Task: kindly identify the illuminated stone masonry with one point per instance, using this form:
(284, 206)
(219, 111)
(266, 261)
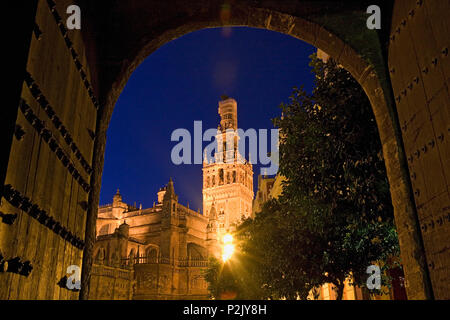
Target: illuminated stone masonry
(151, 253)
(228, 178)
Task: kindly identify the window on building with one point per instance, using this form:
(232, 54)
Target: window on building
(100, 256)
(220, 176)
(151, 254)
(234, 176)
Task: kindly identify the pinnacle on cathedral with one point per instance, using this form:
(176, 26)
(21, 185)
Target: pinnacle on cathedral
(117, 197)
(205, 158)
(170, 191)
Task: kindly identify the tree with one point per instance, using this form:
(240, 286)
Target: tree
(220, 280)
(335, 216)
(232, 280)
(278, 248)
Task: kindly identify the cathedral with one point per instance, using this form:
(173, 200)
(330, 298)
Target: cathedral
(228, 179)
(162, 251)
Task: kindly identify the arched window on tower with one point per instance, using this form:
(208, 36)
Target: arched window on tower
(228, 177)
(220, 176)
(234, 176)
(207, 182)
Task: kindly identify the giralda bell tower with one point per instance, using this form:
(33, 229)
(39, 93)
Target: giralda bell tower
(228, 179)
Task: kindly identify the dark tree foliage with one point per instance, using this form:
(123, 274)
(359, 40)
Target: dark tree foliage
(280, 249)
(232, 279)
(335, 216)
(219, 279)
(332, 158)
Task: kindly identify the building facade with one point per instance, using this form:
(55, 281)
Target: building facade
(164, 247)
(161, 252)
(264, 193)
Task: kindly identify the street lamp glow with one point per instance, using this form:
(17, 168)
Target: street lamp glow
(228, 250)
(228, 238)
(228, 247)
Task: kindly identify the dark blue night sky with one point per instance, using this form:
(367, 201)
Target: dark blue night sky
(182, 82)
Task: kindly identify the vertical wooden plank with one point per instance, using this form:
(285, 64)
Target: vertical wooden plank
(34, 231)
(19, 176)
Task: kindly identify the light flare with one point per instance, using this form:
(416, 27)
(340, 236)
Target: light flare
(228, 247)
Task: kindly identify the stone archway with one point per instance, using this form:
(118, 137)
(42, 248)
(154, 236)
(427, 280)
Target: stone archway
(75, 78)
(361, 70)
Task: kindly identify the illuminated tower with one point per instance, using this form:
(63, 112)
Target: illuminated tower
(228, 179)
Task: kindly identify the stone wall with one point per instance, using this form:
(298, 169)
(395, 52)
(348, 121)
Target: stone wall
(169, 281)
(109, 283)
